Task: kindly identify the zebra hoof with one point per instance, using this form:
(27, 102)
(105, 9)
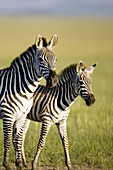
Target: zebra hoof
(33, 166)
(69, 166)
(6, 165)
(19, 167)
(24, 164)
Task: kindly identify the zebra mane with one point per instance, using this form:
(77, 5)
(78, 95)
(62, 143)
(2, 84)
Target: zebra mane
(67, 73)
(30, 49)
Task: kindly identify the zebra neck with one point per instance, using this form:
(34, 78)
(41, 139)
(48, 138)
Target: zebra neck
(22, 72)
(66, 95)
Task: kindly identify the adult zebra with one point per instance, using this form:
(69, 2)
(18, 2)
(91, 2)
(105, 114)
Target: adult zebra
(17, 86)
(51, 106)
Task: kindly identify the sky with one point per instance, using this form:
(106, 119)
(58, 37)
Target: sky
(58, 7)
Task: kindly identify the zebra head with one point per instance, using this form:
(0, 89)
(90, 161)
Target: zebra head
(46, 59)
(85, 82)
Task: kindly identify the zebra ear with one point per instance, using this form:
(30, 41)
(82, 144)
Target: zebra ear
(39, 42)
(91, 68)
(53, 41)
(80, 67)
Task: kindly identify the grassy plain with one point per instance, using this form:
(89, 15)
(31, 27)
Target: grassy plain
(90, 129)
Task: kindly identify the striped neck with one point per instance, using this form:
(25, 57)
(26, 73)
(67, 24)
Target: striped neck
(67, 87)
(25, 76)
(67, 74)
(25, 62)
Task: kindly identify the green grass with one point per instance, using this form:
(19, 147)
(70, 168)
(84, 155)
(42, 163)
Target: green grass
(90, 129)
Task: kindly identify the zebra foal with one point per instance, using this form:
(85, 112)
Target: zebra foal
(17, 86)
(51, 106)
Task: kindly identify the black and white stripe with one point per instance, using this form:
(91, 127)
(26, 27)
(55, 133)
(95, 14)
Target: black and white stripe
(17, 86)
(51, 106)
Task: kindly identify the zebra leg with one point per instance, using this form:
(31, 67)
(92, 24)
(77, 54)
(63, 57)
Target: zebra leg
(17, 141)
(7, 129)
(26, 126)
(44, 131)
(62, 128)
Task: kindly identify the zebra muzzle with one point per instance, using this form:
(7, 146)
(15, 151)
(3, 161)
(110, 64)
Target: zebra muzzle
(52, 79)
(90, 100)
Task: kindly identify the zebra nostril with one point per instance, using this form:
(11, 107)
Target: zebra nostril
(52, 79)
(90, 100)
(49, 83)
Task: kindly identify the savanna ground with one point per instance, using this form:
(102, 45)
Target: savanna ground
(90, 129)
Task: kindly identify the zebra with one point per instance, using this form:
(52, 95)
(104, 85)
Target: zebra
(17, 86)
(52, 106)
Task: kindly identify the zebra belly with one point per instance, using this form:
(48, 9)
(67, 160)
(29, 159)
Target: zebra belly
(24, 110)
